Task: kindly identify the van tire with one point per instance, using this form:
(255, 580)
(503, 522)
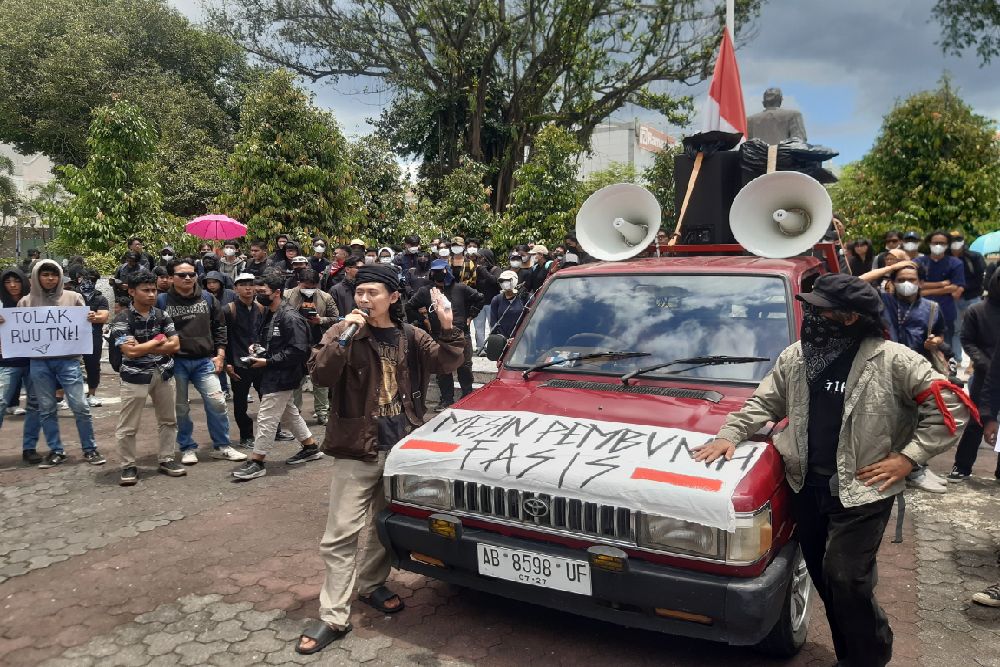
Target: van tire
(788, 635)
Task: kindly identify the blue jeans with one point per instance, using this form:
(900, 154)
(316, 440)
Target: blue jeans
(479, 323)
(200, 373)
(11, 379)
(46, 375)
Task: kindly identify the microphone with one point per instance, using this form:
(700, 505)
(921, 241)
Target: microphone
(351, 329)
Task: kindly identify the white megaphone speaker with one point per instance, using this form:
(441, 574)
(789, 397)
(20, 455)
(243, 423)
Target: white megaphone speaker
(618, 221)
(781, 214)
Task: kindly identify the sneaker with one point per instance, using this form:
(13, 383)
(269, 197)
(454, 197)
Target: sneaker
(94, 402)
(227, 453)
(925, 483)
(305, 455)
(19, 411)
(250, 398)
(94, 458)
(321, 420)
(10, 411)
(246, 443)
(934, 477)
(957, 475)
(31, 457)
(283, 436)
(189, 457)
(53, 459)
(130, 476)
(989, 598)
(228, 394)
(250, 470)
(171, 469)
(62, 405)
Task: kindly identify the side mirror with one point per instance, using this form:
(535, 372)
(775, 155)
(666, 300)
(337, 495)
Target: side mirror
(495, 344)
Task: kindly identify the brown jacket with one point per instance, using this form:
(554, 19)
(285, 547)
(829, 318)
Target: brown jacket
(355, 374)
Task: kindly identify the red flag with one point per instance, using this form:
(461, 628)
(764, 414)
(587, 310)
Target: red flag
(724, 108)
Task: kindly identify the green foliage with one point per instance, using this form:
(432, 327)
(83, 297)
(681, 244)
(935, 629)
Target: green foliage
(935, 164)
(967, 24)
(616, 172)
(660, 177)
(547, 193)
(379, 187)
(114, 195)
(290, 168)
(9, 198)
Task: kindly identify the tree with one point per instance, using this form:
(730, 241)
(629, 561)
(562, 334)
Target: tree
(967, 24)
(483, 77)
(378, 183)
(464, 207)
(544, 203)
(10, 200)
(290, 169)
(114, 195)
(934, 164)
(660, 177)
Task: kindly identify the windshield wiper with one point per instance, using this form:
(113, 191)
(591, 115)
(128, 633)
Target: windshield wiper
(714, 360)
(583, 357)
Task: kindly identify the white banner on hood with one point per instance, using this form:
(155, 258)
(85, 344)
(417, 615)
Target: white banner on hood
(645, 468)
(46, 331)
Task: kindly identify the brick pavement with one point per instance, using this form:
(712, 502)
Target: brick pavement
(199, 570)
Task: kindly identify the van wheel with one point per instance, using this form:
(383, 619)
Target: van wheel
(789, 633)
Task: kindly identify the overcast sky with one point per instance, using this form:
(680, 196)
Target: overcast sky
(843, 64)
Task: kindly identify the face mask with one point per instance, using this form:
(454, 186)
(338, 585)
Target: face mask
(910, 246)
(472, 251)
(229, 252)
(559, 258)
(820, 331)
(423, 262)
(457, 250)
(369, 259)
(385, 260)
(319, 248)
(86, 286)
(308, 293)
(166, 258)
(515, 264)
(264, 300)
(413, 249)
(957, 245)
(907, 288)
(938, 248)
(506, 286)
(443, 252)
(437, 276)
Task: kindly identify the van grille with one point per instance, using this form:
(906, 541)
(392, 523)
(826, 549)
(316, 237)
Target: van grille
(562, 514)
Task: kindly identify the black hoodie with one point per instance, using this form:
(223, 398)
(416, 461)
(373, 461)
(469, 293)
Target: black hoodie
(199, 321)
(10, 302)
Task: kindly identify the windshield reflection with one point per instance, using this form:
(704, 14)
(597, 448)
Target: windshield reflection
(668, 316)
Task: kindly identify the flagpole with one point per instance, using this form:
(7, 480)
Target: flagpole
(731, 18)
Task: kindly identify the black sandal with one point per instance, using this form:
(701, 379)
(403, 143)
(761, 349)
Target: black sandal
(321, 633)
(379, 597)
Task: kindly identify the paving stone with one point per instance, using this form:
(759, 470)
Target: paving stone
(363, 649)
(161, 643)
(198, 653)
(230, 631)
(261, 642)
(167, 613)
(258, 620)
(192, 603)
(223, 611)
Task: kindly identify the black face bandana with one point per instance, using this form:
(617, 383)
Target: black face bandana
(823, 340)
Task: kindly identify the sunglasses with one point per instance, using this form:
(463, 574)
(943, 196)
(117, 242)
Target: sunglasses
(185, 276)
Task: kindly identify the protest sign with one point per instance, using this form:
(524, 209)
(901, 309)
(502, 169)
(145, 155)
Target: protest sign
(628, 465)
(46, 331)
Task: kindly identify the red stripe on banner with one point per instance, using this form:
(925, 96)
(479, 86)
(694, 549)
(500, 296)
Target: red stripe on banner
(676, 479)
(431, 446)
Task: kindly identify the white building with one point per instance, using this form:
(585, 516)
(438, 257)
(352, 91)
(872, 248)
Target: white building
(25, 231)
(632, 143)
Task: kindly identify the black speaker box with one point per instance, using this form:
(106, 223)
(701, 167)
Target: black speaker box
(707, 217)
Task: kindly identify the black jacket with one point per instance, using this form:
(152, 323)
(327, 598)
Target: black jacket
(465, 304)
(7, 301)
(975, 274)
(343, 296)
(198, 320)
(287, 341)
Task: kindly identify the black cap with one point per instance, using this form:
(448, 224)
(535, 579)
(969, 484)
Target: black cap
(912, 235)
(840, 291)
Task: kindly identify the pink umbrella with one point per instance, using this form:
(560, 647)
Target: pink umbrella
(216, 227)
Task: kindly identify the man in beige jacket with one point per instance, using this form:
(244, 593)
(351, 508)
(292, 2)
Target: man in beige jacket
(862, 411)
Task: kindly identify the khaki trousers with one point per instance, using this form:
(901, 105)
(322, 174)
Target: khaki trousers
(133, 401)
(356, 498)
(275, 408)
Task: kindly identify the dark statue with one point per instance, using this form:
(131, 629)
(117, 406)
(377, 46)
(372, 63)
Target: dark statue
(775, 124)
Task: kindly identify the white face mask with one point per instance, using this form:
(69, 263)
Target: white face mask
(412, 249)
(506, 286)
(457, 250)
(957, 245)
(308, 293)
(385, 260)
(515, 264)
(166, 258)
(229, 252)
(472, 251)
(319, 248)
(938, 249)
(369, 259)
(443, 252)
(910, 246)
(907, 289)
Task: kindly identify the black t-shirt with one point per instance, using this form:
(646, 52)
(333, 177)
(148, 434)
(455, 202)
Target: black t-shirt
(826, 413)
(392, 421)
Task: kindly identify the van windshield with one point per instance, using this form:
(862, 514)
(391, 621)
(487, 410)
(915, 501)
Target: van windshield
(668, 316)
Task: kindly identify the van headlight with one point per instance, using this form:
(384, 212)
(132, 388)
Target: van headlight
(752, 538)
(661, 532)
(419, 490)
